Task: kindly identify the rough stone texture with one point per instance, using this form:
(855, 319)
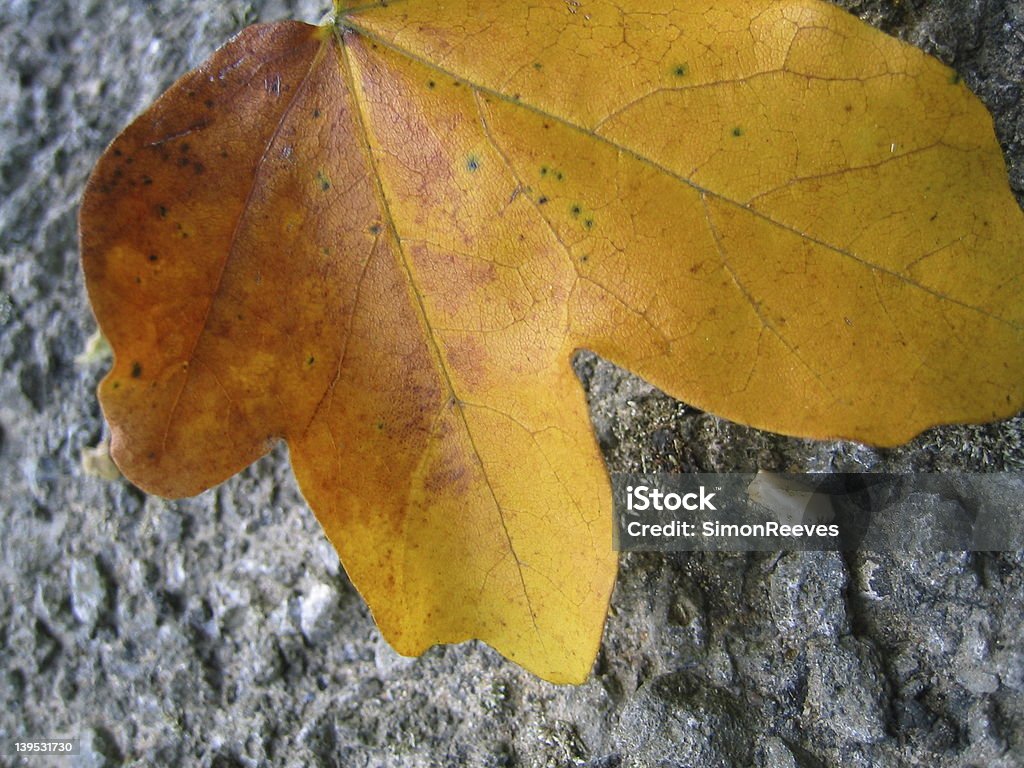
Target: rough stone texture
(220, 631)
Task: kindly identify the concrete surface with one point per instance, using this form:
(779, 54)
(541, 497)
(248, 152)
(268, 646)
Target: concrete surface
(220, 631)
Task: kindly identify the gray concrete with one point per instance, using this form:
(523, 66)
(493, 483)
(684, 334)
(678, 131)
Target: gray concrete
(220, 630)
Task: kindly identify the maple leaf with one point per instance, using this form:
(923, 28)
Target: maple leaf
(382, 239)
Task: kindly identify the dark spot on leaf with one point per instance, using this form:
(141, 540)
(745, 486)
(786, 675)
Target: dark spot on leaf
(116, 385)
(472, 164)
(589, 223)
(546, 126)
(153, 257)
(198, 167)
(146, 181)
(323, 181)
(162, 210)
(185, 146)
(431, 84)
(117, 153)
(538, 65)
(310, 360)
(559, 175)
(680, 70)
(136, 370)
(543, 170)
(456, 83)
(316, 113)
(542, 200)
(183, 161)
(223, 153)
(209, 103)
(737, 131)
(575, 210)
(375, 229)
(380, 425)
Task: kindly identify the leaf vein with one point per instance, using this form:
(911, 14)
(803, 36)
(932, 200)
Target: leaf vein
(683, 180)
(232, 244)
(430, 331)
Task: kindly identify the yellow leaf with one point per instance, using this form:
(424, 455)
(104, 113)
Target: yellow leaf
(383, 239)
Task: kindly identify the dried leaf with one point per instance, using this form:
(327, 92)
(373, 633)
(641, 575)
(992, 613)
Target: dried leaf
(383, 239)
(97, 350)
(96, 462)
